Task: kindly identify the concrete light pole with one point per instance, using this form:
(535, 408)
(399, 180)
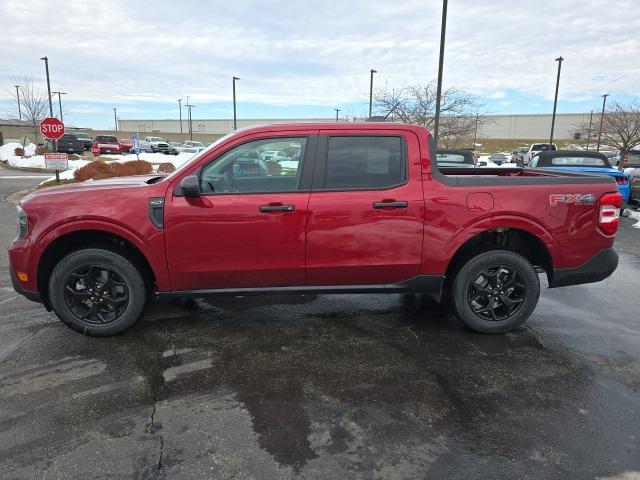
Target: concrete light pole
(115, 118)
(180, 110)
(337, 111)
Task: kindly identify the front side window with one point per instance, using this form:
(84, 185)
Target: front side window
(253, 168)
(365, 163)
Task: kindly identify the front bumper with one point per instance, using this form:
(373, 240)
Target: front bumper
(597, 268)
(33, 296)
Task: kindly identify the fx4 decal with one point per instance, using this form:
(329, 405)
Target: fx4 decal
(557, 198)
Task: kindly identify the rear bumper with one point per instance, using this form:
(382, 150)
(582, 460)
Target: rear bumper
(33, 296)
(597, 268)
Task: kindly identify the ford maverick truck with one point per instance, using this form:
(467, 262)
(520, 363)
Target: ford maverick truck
(352, 208)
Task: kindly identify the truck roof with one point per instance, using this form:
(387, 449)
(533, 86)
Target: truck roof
(275, 127)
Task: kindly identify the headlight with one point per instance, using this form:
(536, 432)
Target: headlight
(23, 224)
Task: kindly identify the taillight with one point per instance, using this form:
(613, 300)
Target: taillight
(609, 215)
(622, 180)
(625, 159)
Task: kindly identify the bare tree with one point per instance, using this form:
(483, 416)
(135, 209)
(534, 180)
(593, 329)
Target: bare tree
(34, 104)
(417, 105)
(621, 128)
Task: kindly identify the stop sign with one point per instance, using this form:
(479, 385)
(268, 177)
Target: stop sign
(52, 128)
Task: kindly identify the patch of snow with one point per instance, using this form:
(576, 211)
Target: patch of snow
(633, 215)
(155, 158)
(38, 162)
(8, 150)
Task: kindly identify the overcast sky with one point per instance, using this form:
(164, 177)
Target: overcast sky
(302, 58)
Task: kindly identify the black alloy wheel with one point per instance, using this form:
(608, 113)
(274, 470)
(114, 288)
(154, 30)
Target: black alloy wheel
(497, 293)
(494, 291)
(96, 294)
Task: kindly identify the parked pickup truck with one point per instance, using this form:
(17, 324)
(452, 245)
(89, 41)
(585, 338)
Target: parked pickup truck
(364, 209)
(158, 144)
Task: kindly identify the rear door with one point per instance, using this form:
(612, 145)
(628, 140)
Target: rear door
(247, 230)
(366, 210)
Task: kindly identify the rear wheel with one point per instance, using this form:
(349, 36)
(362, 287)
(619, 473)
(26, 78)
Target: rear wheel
(495, 291)
(97, 292)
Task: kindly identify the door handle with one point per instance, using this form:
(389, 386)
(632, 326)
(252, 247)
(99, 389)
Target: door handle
(391, 204)
(277, 208)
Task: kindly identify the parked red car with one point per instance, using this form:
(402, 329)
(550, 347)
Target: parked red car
(107, 144)
(364, 208)
(125, 145)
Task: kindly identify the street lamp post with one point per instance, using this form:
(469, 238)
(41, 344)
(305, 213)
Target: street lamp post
(589, 131)
(372, 71)
(189, 107)
(555, 101)
(115, 118)
(443, 29)
(180, 110)
(604, 102)
(46, 66)
(60, 102)
(18, 95)
(235, 125)
(337, 111)
(475, 132)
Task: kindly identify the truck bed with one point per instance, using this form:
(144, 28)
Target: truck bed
(515, 176)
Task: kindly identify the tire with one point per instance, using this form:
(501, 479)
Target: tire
(506, 308)
(97, 292)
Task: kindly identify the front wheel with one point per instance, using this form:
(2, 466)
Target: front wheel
(495, 291)
(97, 292)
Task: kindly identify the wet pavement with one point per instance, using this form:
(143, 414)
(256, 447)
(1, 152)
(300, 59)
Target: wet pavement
(363, 387)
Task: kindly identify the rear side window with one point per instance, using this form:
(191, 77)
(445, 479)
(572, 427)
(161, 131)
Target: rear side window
(579, 162)
(365, 162)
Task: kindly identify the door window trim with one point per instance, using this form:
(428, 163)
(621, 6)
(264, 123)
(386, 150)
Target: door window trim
(321, 164)
(306, 176)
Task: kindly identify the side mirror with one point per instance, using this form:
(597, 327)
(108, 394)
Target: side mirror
(520, 162)
(482, 164)
(190, 186)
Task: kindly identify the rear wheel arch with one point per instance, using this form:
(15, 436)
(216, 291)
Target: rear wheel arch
(85, 239)
(517, 240)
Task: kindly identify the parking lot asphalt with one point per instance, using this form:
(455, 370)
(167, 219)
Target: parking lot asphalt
(363, 387)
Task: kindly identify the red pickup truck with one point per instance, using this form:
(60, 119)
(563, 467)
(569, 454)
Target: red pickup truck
(342, 208)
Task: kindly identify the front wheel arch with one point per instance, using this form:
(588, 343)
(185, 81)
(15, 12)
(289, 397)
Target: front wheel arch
(82, 239)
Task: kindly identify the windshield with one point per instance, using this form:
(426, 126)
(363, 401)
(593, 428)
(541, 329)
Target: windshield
(579, 162)
(542, 147)
(106, 139)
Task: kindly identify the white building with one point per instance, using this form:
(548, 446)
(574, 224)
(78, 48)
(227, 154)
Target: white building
(530, 126)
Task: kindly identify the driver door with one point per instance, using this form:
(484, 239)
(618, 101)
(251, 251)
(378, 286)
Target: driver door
(247, 230)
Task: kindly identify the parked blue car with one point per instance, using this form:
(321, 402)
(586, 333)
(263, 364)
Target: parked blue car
(582, 161)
